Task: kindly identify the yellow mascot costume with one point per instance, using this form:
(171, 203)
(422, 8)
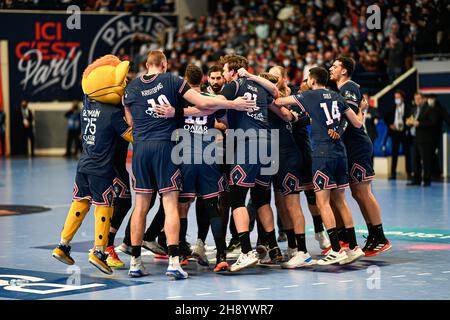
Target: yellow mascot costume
(103, 84)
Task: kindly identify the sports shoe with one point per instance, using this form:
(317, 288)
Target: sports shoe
(378, 247)
(113, 259)
(321, 237)
(352, 255)
(221, 264)
(199, 253)
(154, 247)
(174, 269)
(369, 243)
(233, 245)
(275, 254)
(289, 253)
(137, 268)
(343, 244)
(98, 259)
(324, 252)
(245, 260)
(185, 249)
(184, 260)
(125, 249)
(262, 251)
(62, 253)
(300, 259)
(332, 257)
(282, 237)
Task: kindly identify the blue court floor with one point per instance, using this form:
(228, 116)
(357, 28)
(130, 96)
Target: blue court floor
(416, 220)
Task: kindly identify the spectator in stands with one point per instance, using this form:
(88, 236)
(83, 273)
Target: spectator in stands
(398, 132)
(422, 124)
(2, 132)
(73, 129)
(395, 58)
(28, 126)
(441, 115)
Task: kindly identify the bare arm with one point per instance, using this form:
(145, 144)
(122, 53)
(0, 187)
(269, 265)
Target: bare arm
(128, 116)
(269, 86)
(204, 102)
(282, 112)
(285, 101)
(354, 119)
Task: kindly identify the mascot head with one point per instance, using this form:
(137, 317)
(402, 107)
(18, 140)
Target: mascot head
(104, 80)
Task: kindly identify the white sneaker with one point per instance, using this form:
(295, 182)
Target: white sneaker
(174, 269)
(199, 253)
(245, 260)
(332, 257)
(300, 259)
(124, 248)
(137, 268)
(353, 255)
(154, 247)
(321, 237)
(289, 253)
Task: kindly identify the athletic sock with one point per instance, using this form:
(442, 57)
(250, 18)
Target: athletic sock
(342, 235)
(271, 239)
(219, 236)
(244, 239)
(318, 224)
(301, 242)
(378, 233)
(173, 250)
(183, 229)
(203, 219)
(127, 238)
(136, 251)
(292, 242)
(334, 239)
(370, 230)
(351, 236)
(111, 237)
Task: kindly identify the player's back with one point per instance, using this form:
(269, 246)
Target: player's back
(142, 95)
(258, 119)
(325, 108)
(99, 137)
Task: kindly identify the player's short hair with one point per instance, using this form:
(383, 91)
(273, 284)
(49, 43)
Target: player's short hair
(193, 75)
(400, 92)
(348, 64)
(282, 70)
(155, 58)
(214, 68)
(268, 76)
(320, 75)
(235, 62)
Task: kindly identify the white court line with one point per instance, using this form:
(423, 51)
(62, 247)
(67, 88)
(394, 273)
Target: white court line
(446, 271)
(424, 274)
(233, 291)
(399, 276)
(203, 294)
(293, 286)
(318, 283)
(174, 297)
(344, 281)
(260, 289)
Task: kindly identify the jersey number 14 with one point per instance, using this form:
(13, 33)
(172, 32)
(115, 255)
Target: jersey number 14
(335, 114)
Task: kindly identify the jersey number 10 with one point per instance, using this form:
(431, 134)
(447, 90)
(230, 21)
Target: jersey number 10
(335, 114)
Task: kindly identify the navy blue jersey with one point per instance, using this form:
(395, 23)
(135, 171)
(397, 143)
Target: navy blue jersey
(143, 94)
(101, 125)
(287, 141)
(198, 126)
(325, 108)
(248, 120)
(352, 95)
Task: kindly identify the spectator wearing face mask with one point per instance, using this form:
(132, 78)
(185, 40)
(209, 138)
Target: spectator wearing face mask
(398, 133)
(442, 116)
(395, 57)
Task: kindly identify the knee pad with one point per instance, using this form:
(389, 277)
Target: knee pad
(260, 196)
(237, 196)
(211, 206)
(310, 197)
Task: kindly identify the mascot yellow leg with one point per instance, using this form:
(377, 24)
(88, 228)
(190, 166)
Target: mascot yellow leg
(75, 217)
(97, 257)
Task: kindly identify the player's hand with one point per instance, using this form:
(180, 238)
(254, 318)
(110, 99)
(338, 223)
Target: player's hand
(165, 110)
(244, 104)
(244, 73)
(364, 105)
(333, 134)
(295, 115)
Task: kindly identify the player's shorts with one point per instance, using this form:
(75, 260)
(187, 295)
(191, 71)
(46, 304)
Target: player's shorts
(96, 189)
(153, 169)
(329, 173)
(360, 163)
(249, 170)
(202, 180)
(288, 179)
(121, 183)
